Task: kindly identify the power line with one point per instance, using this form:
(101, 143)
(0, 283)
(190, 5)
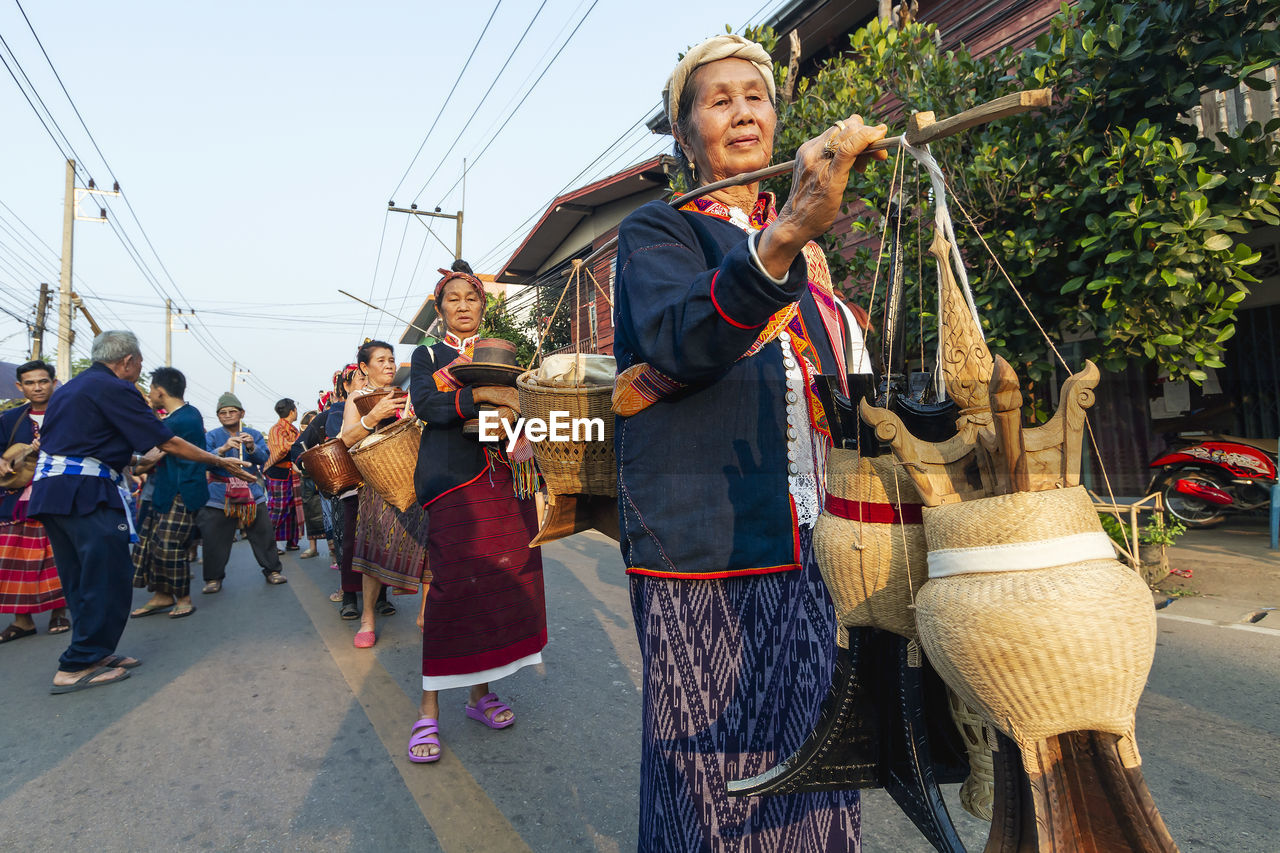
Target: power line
(476, 110)
(127, 242)
(448, 97)
(527, 93)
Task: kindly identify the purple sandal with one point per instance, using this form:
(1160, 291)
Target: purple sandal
(490, 701)
(425, 732)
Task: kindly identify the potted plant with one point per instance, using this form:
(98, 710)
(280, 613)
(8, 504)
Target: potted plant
(1153, 541)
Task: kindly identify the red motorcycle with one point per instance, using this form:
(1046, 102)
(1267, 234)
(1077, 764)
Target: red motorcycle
(1207, 477)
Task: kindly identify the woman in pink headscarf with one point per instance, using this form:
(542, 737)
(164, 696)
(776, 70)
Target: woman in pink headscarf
(484, 615)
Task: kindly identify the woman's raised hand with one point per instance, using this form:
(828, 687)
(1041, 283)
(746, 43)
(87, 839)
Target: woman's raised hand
(817, 189)
(385, 408)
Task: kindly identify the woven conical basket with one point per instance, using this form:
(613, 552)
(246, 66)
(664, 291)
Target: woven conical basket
(870, 543)
(1029, 621)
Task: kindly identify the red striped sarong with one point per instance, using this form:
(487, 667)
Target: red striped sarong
(28, 578)
(485, 605)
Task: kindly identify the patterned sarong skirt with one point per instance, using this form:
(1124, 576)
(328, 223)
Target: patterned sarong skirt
(734, 673)
(390, 545)
(160, 559)
(485, 612)
(284, 505)
(28, 578)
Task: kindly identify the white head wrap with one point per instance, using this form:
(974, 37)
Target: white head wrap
(726, 46)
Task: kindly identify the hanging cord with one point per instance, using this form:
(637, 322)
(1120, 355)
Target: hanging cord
(919, 269)
(884, 231)
(554, 311)
(906, 545)
(942, 221)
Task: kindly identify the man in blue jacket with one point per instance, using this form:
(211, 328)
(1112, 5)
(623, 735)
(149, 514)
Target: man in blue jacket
(232, 505)
(92, 428)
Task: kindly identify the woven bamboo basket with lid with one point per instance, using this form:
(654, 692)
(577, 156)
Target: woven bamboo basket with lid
(582, 467)
(1030, 623)
(870, 544)
(387, 459)
(330, 467)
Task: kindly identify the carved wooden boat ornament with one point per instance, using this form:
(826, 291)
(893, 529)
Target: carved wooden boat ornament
(1026, 614)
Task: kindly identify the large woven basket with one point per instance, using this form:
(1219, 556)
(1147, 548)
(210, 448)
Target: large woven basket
(330, 467)
(582, 467)
(1029, 621)
(387, 460)
(870, 543)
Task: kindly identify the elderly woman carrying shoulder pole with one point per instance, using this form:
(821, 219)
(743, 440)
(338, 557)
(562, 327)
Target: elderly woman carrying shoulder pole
(725, 312)
(94, 425)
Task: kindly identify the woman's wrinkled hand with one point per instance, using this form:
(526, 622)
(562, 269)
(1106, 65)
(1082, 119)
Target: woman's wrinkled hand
(817, 190)
(498, 395)
(385, 408)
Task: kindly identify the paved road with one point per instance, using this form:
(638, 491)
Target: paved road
(254, 725)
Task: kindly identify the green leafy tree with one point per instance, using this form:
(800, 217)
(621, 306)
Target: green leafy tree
(1116, 221)
(499, 323)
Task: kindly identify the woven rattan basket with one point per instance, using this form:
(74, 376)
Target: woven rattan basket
(366, 402)
(582, 467)
(387, 460)
(330, 467)
(1028, 621)
(870, 543)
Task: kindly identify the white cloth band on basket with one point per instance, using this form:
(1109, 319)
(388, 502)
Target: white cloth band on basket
(1021, 556)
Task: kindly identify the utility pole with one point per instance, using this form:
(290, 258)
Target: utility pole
(168, 336)
(37, 332)
(70, 213)
(63, 367)
(457, 217)
(234, 374)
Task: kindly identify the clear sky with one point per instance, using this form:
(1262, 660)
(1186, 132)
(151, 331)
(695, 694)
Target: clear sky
(259, 143)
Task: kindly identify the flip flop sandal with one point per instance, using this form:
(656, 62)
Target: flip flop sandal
(179, 613)
(276, 578)
(13, 632)
(150, 611)
(425, 732)
(120, 661)
(480, 711)
(384, 608)
(86, 681)
(349, 611)
(211, 587)
(59, 624)
(365, 639)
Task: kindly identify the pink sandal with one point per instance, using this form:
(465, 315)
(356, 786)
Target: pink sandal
(365, 639)
(480, 711)
(425, 732)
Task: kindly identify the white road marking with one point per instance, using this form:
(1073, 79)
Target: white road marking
(1238, 626)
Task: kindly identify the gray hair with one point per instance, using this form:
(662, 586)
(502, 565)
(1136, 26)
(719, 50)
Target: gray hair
(112, 346)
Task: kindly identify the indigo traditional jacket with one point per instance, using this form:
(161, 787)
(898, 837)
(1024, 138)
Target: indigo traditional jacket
(703, 471)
